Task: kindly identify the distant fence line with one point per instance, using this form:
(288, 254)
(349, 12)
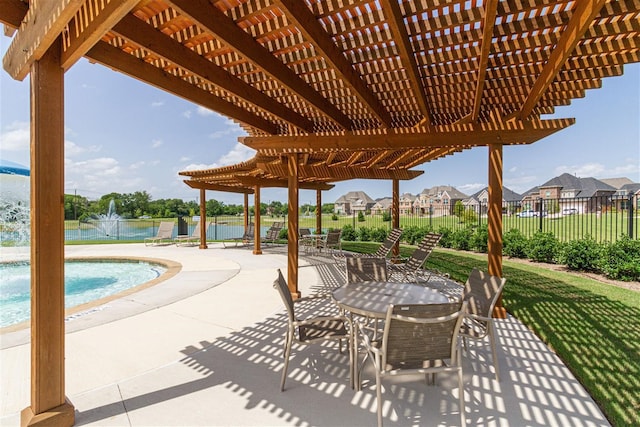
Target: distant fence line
(604, 219)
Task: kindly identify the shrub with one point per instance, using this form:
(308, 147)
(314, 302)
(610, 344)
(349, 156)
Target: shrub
(386, 216)
(584, 254)
(334, 217)
(515, 244)
(542, 247)
(360, 217)
(413, 234)
(461, 239)
(283, 234)
(363, 234)
(621, 260)
(378, 234)
(446, 239)
(348, 233)
(479, 239)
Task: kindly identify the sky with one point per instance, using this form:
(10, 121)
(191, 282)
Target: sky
(122, 135)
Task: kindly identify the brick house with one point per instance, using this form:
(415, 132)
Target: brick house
(353, 202)
(480, 200)
(438, 200)
(382, 206)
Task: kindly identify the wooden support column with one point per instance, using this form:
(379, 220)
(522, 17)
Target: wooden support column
(494, 220)
(292, 226)
(318, 211)
(49, 405)
(203, 219)
(256, 220)
(395, 214)
(245, 212)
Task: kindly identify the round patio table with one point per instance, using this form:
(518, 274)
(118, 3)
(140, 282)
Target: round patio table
(371, 299)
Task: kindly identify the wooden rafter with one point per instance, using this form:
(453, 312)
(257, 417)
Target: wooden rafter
(213, 20)
(202, 185)
(13, 12)
(338, 173)
(283, 183)
(583, 15)
(164, 46)
(488, 23)
(115, 58)
(89, 25)
(463, 135)
(42, 25)
(307, 23)
(396, 23)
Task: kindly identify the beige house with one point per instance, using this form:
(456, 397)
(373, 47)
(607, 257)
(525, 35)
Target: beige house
(353, 202)
(478, 202)
(406, 203)
(382, 206)
(438, 200)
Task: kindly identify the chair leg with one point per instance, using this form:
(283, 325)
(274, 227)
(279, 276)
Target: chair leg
(287, 353)
(492, 340)
(379, 396)
(463, 419)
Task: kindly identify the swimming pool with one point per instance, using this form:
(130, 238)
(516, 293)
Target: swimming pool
(85, 281)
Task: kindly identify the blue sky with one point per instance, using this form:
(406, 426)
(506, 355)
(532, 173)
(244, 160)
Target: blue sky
(125, 136)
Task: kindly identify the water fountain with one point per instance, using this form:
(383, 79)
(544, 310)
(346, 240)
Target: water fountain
(14, 204)
(107, 224)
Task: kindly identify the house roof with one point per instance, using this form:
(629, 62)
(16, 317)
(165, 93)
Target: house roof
(507, 195)
(584, 187)
(453, 192)
(384, 203)
(617, 182)
(353, 196)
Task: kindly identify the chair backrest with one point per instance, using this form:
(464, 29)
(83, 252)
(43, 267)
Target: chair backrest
(415, 333)
(481, 292)
(389, 243)
(366, 269)
(281, 286)
(422, 252)
(165, 229)
(273, 233)
(250, 230)
(302, 232)
(333, 238)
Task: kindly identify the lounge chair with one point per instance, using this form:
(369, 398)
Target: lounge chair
(411, 270)
(164, 235)
(481, 293)
(418, 339)
(192, 239)
(311, 330)
(272, 235)
(246, 238)
(383, 251)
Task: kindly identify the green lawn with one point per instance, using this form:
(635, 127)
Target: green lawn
(593, 327)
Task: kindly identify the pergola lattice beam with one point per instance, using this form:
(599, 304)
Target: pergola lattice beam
(339, 173)
(114, 58)
(313, 32)
(582, 17)
(488, 24)
(209, 17)
(12, 12)
(156, 42)
(41, 26)
(202, 185)
(282, 183)
(462, 135)
(399, 30)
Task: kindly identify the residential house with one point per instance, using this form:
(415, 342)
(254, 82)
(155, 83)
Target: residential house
(480, 200)
(382, 206)
(567, 191)
(353, 202)
(438, 201)
(406, 203)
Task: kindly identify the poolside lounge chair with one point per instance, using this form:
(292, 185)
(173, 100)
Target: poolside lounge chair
(164, 235)
(192, 239)
(311, 330)
(272, 235)
(418, 339)
(246, 238)
(383, 251)
(481, 293)
(411, 270)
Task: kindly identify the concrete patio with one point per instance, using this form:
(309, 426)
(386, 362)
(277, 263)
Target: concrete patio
(205, 348)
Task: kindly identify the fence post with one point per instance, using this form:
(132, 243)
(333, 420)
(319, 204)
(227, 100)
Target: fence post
(540, 214)
(630, 215)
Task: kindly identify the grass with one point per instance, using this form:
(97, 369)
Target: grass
(593, 327)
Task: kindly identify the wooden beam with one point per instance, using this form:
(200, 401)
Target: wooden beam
(292, 225)
(283, 183)
(89, 25)
(494, 220)
(307, 23)
(114, 58)
(488, 23)
(461, 136)
(202, 185)
(582, 17)
(158, 43)
(12, 12)
(338, 173)
(41, 26)
(211, 19)
(401, 38)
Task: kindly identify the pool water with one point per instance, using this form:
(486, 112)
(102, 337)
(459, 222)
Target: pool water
(85, 281)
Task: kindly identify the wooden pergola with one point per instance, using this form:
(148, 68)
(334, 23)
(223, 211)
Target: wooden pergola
(326, 90)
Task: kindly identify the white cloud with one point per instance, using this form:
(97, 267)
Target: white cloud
(204, 111)
(157, 103)
(72, 149)
(156, 143)
(513, 169)
(598, 170)
(239, 153)
(187, 114)
(199, 166)
(471, 188)
(16, 137)
(100, 175)
(185, 159)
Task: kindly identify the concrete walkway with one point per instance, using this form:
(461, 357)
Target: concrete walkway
(205, 348)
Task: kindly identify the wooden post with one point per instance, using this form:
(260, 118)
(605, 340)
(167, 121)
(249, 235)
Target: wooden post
(48, 402)
(395, 214)
(494, 220)
(245, 212)
(318, 211)
(203, 219)
(292, 227)
(256, 220)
